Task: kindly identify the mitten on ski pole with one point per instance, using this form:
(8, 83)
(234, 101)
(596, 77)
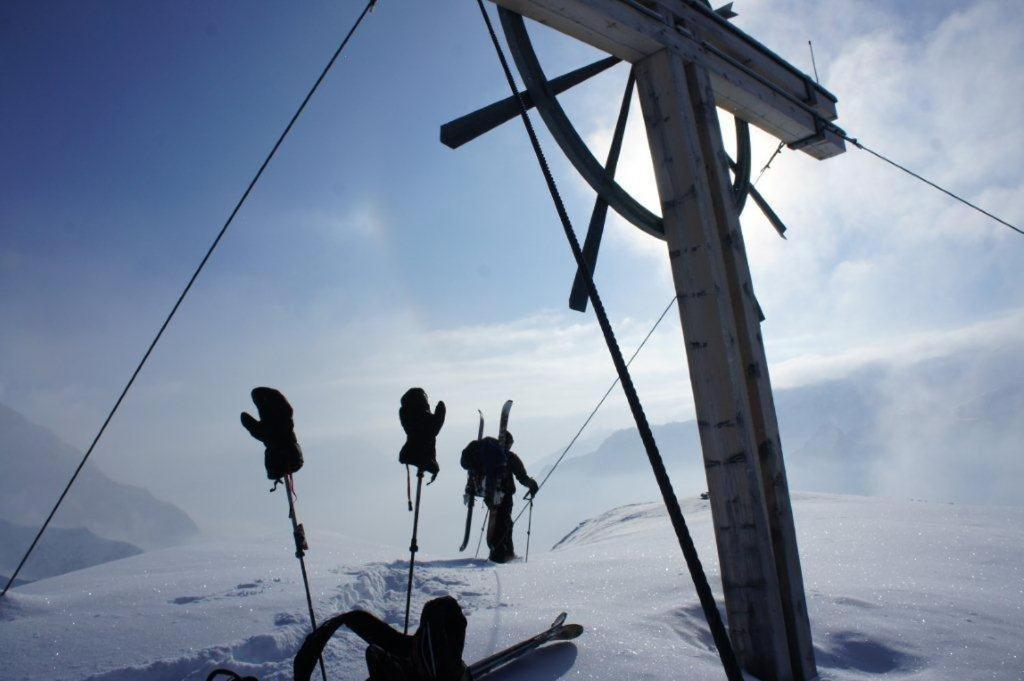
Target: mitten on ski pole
(276, 430)
(421, 427)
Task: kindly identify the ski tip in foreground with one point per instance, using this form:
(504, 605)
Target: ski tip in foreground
(569, 632)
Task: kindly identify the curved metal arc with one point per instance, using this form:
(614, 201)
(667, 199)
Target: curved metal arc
(565, 134)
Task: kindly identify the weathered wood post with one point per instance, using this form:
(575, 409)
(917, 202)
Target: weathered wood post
(735, 413)
(688, 59)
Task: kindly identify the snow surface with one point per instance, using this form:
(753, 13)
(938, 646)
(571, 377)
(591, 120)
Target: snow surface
(907, 589)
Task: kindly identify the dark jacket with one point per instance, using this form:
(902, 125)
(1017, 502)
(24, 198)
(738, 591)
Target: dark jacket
(421, 429)
(517, 469)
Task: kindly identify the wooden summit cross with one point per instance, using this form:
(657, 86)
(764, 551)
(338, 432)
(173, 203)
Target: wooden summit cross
(687, 58)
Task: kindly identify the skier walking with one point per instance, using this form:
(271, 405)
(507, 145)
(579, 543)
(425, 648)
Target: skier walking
(494, 464)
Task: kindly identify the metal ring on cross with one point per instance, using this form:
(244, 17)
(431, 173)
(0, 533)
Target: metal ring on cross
(597, 176)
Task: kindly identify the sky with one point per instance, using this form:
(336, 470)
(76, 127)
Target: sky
(370, 258)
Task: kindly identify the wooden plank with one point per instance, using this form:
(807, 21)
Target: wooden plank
(758, 383)
(749, 578)
(705, 25)
(630, 33)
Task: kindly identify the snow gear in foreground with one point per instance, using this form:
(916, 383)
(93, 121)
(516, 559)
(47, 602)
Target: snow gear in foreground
(421, 427)
(276, 430)
(227, 673)
(558, 631)
(433, 653)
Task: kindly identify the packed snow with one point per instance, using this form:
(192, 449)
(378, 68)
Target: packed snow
(911, 589)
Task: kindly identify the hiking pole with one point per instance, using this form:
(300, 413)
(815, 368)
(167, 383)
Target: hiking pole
(483, 526)
(529, 526)
(282, 456)
(413, 548)
(299, 532)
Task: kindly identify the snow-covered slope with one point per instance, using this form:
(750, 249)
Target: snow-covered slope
(903, 588)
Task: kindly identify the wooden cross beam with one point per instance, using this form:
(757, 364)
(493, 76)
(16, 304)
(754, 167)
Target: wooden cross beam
(687, 60)
(748, 80)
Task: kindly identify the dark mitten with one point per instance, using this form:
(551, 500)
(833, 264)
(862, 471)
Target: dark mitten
(276, 430)
(531, 485)
(421, 427)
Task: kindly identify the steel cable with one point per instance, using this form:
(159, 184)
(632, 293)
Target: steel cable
(184, 293)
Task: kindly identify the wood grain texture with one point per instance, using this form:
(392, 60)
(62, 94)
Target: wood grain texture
(717, 371)
(758, 383)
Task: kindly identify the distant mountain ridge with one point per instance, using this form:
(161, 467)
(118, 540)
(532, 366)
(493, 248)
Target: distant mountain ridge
(36, 465)
(60, 550)
(876, 432)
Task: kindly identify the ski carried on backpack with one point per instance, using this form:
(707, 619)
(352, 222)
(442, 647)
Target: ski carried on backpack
(470, 495)
(506, 409)
(486, 461)
(558, 631)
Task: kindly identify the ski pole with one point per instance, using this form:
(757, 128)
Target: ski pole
(483, 526)
(299, 533)
(529, 526)
(413, 548)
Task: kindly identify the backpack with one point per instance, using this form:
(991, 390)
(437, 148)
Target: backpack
(433, 653)
(487, 462)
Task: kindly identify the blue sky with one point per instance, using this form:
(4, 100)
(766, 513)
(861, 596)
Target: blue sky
(371, 258)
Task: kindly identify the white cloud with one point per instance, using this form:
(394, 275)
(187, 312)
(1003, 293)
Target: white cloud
(871, 252)
(363, 220)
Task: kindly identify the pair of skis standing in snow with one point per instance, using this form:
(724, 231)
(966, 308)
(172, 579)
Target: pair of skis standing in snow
(434, 651)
